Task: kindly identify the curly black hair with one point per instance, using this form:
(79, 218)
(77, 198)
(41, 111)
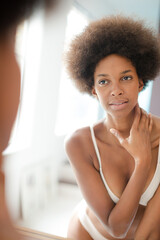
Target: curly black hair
(120, 35)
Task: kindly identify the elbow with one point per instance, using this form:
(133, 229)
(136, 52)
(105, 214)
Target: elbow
(116, 231)
(119, 230)
(118, 234)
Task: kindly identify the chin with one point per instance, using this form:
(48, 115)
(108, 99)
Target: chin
(120, 113)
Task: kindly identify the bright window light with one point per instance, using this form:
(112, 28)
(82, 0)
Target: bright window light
(144, 98)
(28, 52)
(75, 110)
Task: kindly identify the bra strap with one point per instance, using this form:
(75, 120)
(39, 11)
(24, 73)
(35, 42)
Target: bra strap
(95, 146)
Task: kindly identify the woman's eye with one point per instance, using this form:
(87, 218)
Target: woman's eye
(103, 82)
(126, 78)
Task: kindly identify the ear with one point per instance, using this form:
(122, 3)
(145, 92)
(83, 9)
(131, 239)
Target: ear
(94, 92)
(141, 85)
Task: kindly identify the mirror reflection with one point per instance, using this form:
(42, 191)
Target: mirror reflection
(41, 188)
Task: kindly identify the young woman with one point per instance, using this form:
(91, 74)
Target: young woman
(116, 160)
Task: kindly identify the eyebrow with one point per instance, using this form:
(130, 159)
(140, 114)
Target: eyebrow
(102, 75)
(106, 75)
(126, 71)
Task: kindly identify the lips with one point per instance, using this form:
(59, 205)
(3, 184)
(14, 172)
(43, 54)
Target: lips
(118, 102)
(118, 105)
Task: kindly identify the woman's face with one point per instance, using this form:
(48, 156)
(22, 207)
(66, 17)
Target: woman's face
(116, 85)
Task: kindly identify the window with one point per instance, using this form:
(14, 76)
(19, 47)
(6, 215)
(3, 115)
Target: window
(28, 52)
(75, 109)
(144, 98)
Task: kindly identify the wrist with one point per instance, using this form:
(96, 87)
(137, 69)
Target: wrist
(140, 173)
(143, 163)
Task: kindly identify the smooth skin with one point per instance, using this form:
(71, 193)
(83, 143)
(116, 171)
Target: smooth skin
(9, 101)
(128, 140)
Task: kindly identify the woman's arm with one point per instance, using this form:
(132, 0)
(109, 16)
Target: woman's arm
(118, 218)
(149, 227)
(138, 144)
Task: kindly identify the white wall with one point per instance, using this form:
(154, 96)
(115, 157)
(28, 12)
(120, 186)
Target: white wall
(155, 98)
(147, 9)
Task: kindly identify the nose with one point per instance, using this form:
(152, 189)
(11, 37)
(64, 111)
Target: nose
(116, 90)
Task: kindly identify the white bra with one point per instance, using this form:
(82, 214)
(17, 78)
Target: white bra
(151, 189)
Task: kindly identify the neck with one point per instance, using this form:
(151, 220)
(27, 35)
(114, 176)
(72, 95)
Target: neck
(123, 124)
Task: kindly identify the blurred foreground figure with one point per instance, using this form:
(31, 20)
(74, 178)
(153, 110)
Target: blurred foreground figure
(11, 14)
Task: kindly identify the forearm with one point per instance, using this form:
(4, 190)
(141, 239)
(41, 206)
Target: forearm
(123, 214)
(151, 219)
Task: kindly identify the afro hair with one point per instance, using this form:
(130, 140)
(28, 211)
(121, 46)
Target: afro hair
(113, 35)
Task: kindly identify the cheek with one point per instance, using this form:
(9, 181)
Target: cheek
(133, 90)
(103, 99)
(133, 95)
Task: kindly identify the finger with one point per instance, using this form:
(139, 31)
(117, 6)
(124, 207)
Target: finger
(136, 117)
(117, 135)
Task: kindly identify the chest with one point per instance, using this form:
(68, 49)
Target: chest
(118, 165)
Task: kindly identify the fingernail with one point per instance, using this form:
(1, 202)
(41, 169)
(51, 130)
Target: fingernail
(112, 130)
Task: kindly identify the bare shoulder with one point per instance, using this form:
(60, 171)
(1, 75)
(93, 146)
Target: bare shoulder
(82, 137)
(77, 137)
(156, 124)
(155, 135)
(78, 142)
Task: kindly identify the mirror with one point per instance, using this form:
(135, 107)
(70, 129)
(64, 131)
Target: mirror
(41, 189)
